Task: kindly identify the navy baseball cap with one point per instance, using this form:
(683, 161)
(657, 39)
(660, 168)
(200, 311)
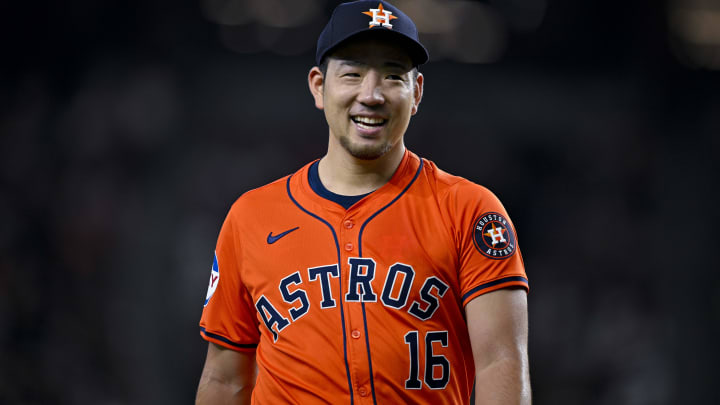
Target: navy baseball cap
(370, 17)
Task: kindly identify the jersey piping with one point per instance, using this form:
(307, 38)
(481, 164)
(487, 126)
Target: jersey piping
(342, 312)
(226, 340)
(511, 279)
(362, 228)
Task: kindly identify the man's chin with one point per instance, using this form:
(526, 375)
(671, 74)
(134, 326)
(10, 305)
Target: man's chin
(365, 152)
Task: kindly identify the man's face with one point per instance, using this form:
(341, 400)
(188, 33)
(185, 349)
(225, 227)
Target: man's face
(368, 94)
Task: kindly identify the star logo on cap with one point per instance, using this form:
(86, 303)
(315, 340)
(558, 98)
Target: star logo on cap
(380, 16)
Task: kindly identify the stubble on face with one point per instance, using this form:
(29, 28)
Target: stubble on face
(364, 152)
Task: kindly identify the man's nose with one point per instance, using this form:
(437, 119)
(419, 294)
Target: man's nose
(371, 92)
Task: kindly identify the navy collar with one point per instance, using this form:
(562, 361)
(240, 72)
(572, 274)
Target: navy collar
(346, 201)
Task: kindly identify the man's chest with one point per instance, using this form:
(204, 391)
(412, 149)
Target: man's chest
(399, 263)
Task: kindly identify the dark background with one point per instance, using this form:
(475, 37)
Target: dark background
(127, 128)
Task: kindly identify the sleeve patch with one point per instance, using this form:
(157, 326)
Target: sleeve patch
(493, 236)
(214, 279)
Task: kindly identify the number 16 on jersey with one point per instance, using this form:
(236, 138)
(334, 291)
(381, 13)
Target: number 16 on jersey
(432, 361)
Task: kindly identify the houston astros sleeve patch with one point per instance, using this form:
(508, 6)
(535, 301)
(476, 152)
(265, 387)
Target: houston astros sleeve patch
(493, 236)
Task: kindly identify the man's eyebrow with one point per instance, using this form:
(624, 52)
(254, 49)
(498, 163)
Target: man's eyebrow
(353, 63)
(404, 67)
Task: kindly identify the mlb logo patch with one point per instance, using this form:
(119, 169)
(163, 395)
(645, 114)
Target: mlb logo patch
(214, 279)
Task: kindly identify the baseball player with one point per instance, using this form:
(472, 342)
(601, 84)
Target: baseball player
(370, 275)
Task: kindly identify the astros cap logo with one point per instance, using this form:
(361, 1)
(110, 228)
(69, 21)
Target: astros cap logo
(380, 16)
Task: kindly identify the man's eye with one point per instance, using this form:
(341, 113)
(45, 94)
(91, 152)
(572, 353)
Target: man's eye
(395, 77)
(351, 74)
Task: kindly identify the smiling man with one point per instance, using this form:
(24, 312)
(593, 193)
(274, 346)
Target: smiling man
(370, 275)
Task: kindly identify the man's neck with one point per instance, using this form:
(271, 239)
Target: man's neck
(344, 174)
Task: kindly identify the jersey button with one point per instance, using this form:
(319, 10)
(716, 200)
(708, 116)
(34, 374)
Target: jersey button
(363, 391)
(348, 246)
(348, 224)
(355, 334)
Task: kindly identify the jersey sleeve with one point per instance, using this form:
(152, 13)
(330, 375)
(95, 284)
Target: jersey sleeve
(229, 316)
(489, 256)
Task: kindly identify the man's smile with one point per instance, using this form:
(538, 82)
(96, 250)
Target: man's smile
(368, 124)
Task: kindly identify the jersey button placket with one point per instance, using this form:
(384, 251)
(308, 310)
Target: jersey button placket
(353, 313)
(348, 234)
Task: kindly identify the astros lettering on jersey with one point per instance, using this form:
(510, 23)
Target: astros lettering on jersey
(348, 306)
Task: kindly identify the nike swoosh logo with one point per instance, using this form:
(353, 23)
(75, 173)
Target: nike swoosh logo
(274, 238)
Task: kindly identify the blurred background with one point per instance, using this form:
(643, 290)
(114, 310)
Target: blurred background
(127, 128)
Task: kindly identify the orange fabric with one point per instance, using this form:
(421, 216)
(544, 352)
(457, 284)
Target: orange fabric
(378, 340)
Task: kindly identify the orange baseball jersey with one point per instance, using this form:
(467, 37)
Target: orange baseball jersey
(364, 305)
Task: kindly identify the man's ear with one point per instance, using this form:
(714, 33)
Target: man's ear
(418, 92)
(316, 81)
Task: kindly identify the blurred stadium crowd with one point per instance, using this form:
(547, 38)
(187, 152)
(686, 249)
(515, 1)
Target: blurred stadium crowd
(128, 128)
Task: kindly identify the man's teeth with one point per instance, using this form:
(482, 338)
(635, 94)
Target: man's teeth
(368, 120)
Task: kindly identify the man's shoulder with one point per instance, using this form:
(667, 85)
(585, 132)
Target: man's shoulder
(258, 199)
(447, 183)
(460, 197)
